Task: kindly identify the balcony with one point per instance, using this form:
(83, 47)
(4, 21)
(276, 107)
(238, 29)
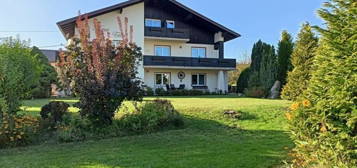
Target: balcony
(189, 62)
(167, 33)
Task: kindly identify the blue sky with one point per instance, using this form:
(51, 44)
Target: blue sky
(254, 19)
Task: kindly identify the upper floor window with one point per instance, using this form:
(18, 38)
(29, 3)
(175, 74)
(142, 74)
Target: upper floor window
(116, 43)
(198, 52)
(152, 23)
(170, 24)
(162, 51)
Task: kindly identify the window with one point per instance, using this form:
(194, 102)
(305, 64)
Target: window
(116, 43)
(198, 52)
(170, 24)
(152, 23)
(162, 51)
(162, 78)
(199, 80)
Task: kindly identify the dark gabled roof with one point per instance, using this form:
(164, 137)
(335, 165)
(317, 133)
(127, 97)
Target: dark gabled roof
(52, 55)
(67, 26)
(231, 33)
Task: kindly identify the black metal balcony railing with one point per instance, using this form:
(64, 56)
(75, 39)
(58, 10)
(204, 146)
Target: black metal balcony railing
(169, 33)
(188, 62)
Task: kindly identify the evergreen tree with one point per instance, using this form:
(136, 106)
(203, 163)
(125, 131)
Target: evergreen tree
(263, 67)
(302, 61)
(324, 121)
(48, 75)
(242, 82)
(257, 55)
(267, 72)
(285, 49)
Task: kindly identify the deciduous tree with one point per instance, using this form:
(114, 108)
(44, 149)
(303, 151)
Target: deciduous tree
(19, 73)
(104, 75)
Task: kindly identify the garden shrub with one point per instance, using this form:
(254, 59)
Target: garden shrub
(53, 112)
(77, 129)
(242, 82)
(161, 92)
(183, 92)
(104, 75)
(324, 120)
(19, 73)
(256, 92)
(17, 130)
(74, 129)
(149, 91)
(196, 92)
(179, 93)
(150, 116)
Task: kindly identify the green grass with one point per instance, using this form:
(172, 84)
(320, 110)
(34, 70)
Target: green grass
(209, 140)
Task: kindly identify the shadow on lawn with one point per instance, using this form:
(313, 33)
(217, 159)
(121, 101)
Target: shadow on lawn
(203, 143)
(33, 107)
(197, 97)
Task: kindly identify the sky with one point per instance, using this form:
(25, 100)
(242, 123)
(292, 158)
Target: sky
(253, 19)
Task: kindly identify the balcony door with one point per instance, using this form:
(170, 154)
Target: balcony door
(164, 51)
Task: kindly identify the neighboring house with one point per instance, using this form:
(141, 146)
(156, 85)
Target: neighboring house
(52, 56)
(181, 47)
(3, 39)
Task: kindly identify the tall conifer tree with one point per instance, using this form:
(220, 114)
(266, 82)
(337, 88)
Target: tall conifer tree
(285, 49)
(324, 122)
(302, 61)
(263, 68)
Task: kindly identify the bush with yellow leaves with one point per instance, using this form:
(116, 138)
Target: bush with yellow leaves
(17, 130)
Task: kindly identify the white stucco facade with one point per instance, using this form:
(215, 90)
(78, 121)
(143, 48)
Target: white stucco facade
(216, 79)
(135, 15)
(211, 77)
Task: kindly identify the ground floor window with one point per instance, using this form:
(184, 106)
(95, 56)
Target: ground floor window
(162, 78)
(199, 80)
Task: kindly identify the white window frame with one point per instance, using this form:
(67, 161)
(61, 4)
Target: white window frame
(162, 84)
(116, 43)
(171, 22)
(152, 25)
(162, 53)
(198, 79)
(205, 49)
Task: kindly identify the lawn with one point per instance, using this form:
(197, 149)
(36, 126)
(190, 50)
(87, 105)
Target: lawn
(209, 139)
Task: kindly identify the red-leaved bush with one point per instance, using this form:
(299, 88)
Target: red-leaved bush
(102, 75)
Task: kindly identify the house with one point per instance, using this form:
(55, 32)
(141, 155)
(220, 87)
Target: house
(180, 46)
(52, 56)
